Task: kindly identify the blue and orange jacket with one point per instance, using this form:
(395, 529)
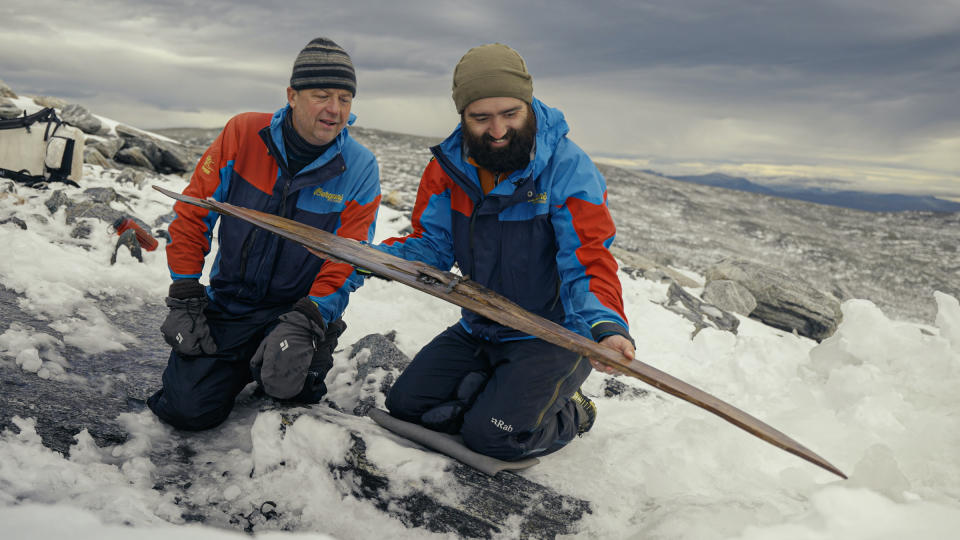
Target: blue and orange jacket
(540, 237)
(246, 166)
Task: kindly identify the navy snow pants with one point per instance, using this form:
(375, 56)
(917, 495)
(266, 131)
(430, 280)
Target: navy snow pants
(508, 400)
(199, 391)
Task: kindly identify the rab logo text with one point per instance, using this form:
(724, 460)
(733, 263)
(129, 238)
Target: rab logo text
(207, 166)
(501, 424)
(332, 197)
(539, 198)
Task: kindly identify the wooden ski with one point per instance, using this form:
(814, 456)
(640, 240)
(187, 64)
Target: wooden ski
(473, 296)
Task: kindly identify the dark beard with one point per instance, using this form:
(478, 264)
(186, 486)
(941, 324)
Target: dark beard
(514, 157)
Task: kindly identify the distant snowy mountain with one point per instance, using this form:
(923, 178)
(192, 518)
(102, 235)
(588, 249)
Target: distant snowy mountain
(857, 200)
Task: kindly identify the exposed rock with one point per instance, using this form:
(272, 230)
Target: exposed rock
(176, 159)
(133, 176)
(93, 156)
(134, 156)
(487, 507)
(383, 355)
(103, 195)
(79, 116)
(109, 146)
(700, 313)
(638, 265)
(90, 209)
(6, 91)
(617, 388)
(164, 156)
(81, 231)
(783, 301)
(729, 295)
(58, 199)
(134, 138)
(9, 109)
(506, 505)
(16, 221)
(50, 101)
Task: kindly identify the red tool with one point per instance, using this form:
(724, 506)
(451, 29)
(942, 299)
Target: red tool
(144, 238)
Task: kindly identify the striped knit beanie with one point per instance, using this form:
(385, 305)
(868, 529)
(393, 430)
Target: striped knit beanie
(323, 64)
(493, 70)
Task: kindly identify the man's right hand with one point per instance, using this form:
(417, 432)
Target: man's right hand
(185, 328)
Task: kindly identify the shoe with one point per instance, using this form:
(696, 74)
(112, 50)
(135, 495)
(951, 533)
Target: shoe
(586, 411)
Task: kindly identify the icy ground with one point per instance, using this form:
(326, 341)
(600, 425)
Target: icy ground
(879, 399)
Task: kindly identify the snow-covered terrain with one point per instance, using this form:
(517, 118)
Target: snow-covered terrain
(878, 399)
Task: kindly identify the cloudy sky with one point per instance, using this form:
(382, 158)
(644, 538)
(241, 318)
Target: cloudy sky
(866, 91)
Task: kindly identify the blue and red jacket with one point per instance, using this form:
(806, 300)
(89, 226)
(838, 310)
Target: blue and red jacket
(540, 237)
(246, 166)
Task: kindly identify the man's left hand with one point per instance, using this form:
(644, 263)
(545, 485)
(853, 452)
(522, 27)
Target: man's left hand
(617, 343)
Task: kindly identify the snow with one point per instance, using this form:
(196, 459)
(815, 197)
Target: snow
(878, 399)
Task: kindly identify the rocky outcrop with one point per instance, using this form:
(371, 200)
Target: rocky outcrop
(135, 156)
(49, 101)
(6, 91)
(159, 155)
(700, 313)
(639, 266)
(381, 364)
(9, 109)
(108, 146)
(80, 117)
(729, 295)
(783, 301)
(94, 156)
(129, 146)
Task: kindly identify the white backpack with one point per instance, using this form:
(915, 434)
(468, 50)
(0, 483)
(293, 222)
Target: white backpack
(40, 148)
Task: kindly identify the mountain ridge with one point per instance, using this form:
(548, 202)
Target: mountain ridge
(845, 198)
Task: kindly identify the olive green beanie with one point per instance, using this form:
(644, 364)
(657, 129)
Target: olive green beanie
(493, 70)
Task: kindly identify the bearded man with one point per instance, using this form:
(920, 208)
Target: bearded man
(521, 210)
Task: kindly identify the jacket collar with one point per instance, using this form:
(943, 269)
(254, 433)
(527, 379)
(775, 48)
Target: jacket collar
(276, 135)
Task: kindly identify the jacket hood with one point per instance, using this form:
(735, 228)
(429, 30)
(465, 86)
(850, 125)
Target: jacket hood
(551, 128)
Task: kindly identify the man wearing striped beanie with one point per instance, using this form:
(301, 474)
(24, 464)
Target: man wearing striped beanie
(271, 312)
(322, 87)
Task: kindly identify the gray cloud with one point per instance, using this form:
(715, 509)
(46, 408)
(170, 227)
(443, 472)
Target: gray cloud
(867, 83)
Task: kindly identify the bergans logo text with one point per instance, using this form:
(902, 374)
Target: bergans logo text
(332, 197)
(501, 424)
(207, 166)
(540, 198)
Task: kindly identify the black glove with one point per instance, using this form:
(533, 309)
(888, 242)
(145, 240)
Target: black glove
(294, 358)
(185, 328)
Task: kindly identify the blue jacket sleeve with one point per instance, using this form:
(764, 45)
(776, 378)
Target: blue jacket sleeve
(585, 231)
(335, 281)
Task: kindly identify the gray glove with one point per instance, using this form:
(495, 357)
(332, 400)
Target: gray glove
(283, 360)
(185, 328)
